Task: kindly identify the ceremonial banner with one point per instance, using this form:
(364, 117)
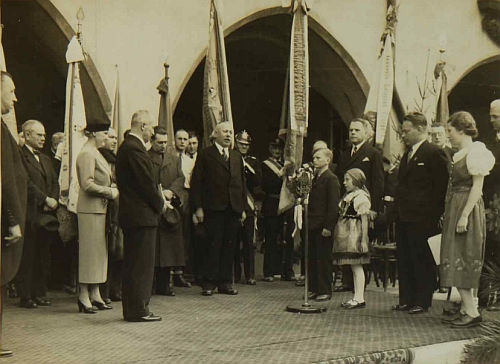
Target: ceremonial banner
(10, 118)
(216, 96)
(386, 90)
(165, 118)
(74, 124)
(295, 109)
(443, 110)
(117, 111)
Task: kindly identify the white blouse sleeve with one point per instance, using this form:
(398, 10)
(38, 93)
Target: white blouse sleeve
(362, 204)
(479, 160)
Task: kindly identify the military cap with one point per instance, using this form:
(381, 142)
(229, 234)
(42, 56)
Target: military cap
(243, 137)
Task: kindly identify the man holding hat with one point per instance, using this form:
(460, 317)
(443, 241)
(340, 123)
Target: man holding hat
(41, 222)
(246, 232)
(272, 181)
(169, 236)
(491, 192)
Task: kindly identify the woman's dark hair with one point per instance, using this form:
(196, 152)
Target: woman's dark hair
(463, 121)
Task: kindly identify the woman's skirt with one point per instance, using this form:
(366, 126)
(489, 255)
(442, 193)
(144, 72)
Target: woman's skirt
(93, 257)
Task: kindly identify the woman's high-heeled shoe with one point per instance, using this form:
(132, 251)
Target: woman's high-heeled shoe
(85, 309)
(101, 306)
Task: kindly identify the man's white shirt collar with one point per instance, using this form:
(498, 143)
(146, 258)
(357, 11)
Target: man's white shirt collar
(140, 138)
(222, 149)
(415, 147)
(358, 146)
(32, 150)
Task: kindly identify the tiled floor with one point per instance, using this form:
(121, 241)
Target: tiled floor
(252, 327)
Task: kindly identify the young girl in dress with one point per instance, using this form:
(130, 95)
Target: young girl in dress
(350, 245)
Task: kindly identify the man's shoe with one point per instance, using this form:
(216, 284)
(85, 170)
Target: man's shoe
(4, 353)
(400, 307)
(417, 310)
(466, 321)
(116, 297)
(323, 298)
(288, 278)
(27, 303)
(251, 282)
(449, 319)
(228, 290)
(207, 292)
(167, 292)
(179, 281)
(150, 318)
(268, 279)
(342, 289)
(451, 311)
(300, 282)
(42, 301)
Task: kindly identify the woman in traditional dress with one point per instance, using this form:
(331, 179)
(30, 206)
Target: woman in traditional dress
(350, 246)
(464, 226)
(94, 177)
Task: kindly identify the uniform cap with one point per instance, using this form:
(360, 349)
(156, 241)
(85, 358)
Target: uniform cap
(243, 137)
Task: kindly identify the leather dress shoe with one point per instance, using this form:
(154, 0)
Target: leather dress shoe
(417, 310)
(400, 308)
(251, 282)
(42, 301)
(27, 303)
(449, 319)
(300, 282)
(4, 353)
(323, 298)
(230, 291)
(150, 318)
(207, 292)
(268, 279)
(342, 289)
(466, 321)
(116, 297)
(179, 281)
(288, 278)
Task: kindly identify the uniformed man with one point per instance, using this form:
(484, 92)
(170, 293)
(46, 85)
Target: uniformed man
(246, 232)
(272, 181)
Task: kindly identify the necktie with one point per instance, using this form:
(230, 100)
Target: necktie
(224, 154)
(354, 150)
(410, 154)
(36, 152)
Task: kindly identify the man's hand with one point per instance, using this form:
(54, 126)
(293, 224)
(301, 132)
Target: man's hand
(51, 203)
(326, 233)
(243, 217)
(14, 235)
(198, 216)
(168, 194)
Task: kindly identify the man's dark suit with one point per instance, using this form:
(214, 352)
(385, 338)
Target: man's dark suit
(35, 263)
(323, 210)
(140, 205)
(14, 200)
(246, 232)
(218, 187)
(419, 206)
(369, 160)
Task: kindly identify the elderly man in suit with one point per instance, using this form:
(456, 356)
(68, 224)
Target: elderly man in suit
(141, 203)
(423, 179)
(14, 196)
(41, 220)
(365, 157)
(491, 192)
(218, 198)
(170, 240)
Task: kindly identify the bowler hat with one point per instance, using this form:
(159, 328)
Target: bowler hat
(201, 231)
(172, 218)
(46, 221)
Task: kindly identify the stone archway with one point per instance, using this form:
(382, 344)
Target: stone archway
(257, 53)
(474, 92)
(35, 39)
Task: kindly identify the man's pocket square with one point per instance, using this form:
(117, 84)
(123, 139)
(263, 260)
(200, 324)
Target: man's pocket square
(421, 164)
(366, 159)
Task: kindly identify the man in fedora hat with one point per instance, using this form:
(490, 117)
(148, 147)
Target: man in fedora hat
(40, 220)
(169, 236)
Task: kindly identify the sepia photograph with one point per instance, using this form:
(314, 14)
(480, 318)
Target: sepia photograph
(250, 181)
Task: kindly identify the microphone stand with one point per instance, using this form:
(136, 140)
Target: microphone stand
(303, 190)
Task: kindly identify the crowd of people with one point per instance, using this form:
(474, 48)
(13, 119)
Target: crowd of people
(148, 212)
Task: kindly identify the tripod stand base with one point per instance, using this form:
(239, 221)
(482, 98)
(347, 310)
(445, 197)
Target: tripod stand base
(303, 308)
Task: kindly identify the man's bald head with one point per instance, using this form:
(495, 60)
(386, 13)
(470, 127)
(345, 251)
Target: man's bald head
(495, 115)
(224, 134)
(181, 140)
(141, 125)
(8, 92)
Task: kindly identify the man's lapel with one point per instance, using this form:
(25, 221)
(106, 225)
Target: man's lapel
(32, 160)
(416, 157)
(359, 154)
(214, 153)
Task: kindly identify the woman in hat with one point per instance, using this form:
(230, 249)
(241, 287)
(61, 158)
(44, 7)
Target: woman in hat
(94, 177)
(350, 246)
